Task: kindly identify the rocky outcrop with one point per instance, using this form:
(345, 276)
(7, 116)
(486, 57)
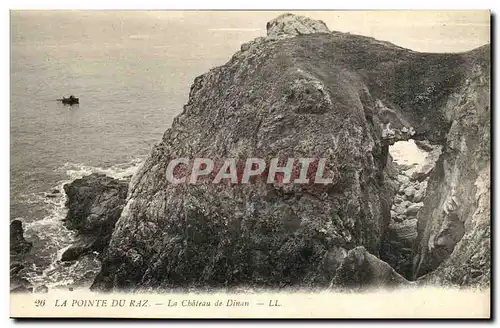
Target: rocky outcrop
(288, 26)
(18, 281)
(19, 253)
(84, 245)
(361, 270)
(42, 289)
(322, 95)
(94, 203)
(21, 287)
(18, 245)
(394, 126)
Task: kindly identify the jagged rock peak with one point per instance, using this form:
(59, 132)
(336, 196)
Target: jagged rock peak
(290, 25)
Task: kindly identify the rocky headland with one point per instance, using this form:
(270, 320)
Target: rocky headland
(305, 91)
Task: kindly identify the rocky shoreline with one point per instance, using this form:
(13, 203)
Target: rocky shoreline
(94, 204)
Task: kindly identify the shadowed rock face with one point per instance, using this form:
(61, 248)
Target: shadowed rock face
(321, 95)
(18, 245)
(94, 203)
(360, 270)
(454, 225)
(19, 251)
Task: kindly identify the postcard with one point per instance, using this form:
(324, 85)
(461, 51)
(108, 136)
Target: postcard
(250, 164)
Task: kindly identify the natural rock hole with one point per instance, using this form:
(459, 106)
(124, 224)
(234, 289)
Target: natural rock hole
(413, 162)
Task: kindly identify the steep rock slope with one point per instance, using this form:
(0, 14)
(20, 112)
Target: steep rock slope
(454, 225)
(325, 95)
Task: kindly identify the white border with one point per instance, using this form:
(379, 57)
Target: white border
(185, 4)
(256, 4)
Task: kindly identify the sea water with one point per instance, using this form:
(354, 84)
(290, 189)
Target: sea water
(132, 72)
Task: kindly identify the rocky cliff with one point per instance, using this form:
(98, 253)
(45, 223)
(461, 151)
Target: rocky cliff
(304, 91)
(454, 224)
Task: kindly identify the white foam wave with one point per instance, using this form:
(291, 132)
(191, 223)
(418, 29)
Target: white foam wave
(119, 171)
(54, 205)
(53, 238)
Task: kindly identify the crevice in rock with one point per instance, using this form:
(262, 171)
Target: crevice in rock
(413, 161)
